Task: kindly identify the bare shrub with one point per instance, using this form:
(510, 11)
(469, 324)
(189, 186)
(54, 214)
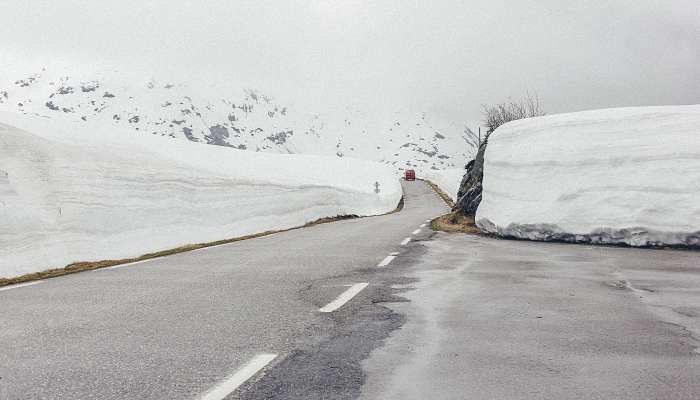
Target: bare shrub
(499, 114)
(471, 138)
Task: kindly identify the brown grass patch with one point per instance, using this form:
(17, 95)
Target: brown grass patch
(91, 265)
(454, 222)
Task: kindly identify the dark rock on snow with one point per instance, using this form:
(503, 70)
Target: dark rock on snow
(469, 194)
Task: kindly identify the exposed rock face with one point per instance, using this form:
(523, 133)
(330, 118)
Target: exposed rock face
(469, 194)
(218, 135)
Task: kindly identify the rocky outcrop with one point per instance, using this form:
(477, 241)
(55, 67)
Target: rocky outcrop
(469, 194)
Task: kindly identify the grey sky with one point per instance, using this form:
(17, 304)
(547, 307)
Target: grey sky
(441, 55)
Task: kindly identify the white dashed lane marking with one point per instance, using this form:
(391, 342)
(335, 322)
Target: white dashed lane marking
(231, 383)
(417, 231)
(344, 298)
(405, 241)
(386, 261)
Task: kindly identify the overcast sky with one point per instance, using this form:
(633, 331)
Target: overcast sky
(440, 55)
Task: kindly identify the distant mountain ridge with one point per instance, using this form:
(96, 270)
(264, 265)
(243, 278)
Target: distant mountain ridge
(249, 120)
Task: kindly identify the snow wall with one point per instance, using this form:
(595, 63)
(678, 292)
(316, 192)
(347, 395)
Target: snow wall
(617, 176)
(447, 180)
(72, 192)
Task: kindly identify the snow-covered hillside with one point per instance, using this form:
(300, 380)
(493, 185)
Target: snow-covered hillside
(247, 119)
(78, 192)
(625, 176)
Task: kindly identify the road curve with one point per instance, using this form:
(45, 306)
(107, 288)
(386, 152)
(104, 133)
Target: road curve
(289, 315)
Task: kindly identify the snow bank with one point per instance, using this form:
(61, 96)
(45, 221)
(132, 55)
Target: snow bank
(447, 179)
(623, 176)
(72, 192)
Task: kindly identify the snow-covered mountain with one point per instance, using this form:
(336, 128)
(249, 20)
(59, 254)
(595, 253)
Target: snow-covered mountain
(247, 120)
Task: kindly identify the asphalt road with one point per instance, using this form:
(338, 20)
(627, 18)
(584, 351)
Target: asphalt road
(177, 327)
(311, 314)
(499, 319)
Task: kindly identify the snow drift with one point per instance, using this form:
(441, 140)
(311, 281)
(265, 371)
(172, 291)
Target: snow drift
(447, 180)
(78, 192)
(619, 176)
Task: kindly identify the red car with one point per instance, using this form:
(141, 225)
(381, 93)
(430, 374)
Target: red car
(410, 175)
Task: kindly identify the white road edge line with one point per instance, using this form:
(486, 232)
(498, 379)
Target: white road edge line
(417, 231)
(19, 285)
(386, 261)
(127, 264)
(155, 258)
(231, 383)
(405, 241)
(207, 248)
(343, 298)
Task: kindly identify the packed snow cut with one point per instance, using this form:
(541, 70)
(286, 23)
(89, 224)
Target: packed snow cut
(617, 176)
(81, 192)
(447, 180)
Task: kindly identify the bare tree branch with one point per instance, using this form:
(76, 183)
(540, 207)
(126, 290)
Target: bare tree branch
(495, 116)
(471, 138)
